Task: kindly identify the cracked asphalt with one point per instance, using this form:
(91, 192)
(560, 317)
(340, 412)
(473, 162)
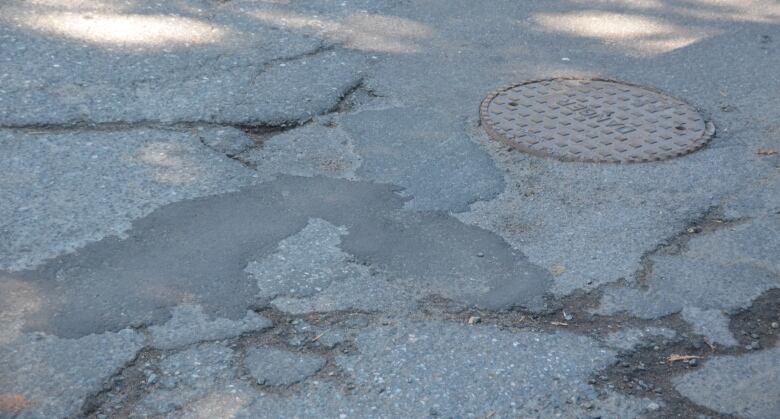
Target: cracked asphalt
(289, 209)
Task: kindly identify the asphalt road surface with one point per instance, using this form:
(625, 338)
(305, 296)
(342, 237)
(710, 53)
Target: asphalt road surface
(291, 209)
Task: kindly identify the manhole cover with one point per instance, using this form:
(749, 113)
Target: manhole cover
(593, 121)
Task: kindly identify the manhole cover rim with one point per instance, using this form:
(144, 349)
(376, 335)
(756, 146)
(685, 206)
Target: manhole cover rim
(707, 134)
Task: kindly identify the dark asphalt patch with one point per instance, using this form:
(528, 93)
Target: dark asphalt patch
(196, 251)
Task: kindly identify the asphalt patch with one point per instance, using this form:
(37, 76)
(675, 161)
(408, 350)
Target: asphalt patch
(195, 252)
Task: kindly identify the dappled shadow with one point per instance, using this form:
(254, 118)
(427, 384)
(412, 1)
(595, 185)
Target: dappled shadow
(173, 162)
(652, 27)
(757, 11)
(135, 25)
(176, 63)
(361, 31)
(632, 33)
(217, 405)
(249, 62)
(127, 30)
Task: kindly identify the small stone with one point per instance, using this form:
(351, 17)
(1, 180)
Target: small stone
(151, 379)
(775, 325)
(296, 340)
(753, 345)
(475, 319)
(693, 362)
(356, 323)
(480, 255)
(653, 406)
(754, 335)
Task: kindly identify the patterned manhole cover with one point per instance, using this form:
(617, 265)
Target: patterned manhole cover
(593, 121)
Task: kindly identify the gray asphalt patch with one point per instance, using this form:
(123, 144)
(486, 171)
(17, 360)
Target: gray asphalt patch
(80, 187)
(188, 381)
(54, 376)
(428, 153)
(444, 369)
(185, 66)
(275, 367)
(311, 150)
(744, 386)
(701, 278)
(188, 325)
(196, 251)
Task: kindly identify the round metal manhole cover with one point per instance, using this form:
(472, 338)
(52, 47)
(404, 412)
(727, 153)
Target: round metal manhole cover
(593, 121)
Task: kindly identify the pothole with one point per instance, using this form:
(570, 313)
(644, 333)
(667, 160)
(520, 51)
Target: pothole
(593, 120)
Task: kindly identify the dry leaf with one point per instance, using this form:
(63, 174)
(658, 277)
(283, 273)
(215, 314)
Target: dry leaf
(558, 270)
(766, 152)
(676, 357)
(710, 344)
(559, 323)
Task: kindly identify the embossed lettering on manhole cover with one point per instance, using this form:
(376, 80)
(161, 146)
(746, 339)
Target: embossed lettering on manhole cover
(593, 121)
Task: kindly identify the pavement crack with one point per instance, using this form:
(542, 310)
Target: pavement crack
(649, 369)
(709, 221)
(46, 128)
(352, 96)
(348, 100)
(571, 314)
(125, 388)
(320, 49)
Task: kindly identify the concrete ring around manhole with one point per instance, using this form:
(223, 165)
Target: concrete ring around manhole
(593, 120)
